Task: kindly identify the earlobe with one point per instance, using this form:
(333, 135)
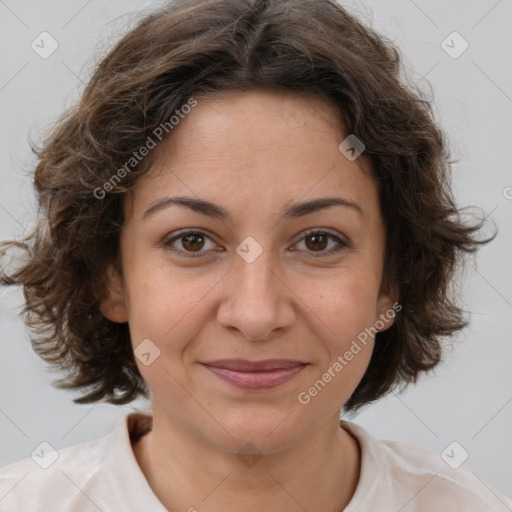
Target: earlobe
(113, 304)
(387, 308)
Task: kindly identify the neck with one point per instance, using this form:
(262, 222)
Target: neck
(186, 472)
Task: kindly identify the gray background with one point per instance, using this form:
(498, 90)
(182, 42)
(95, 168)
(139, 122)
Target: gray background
(469, 397)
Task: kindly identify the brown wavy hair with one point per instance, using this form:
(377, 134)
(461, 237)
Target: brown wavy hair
(197, 48)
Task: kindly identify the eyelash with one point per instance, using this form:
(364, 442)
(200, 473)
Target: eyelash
(317, 231)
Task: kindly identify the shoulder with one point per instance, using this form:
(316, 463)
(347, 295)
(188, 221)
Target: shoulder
(411, 478)
(51, 478)
(96, 475)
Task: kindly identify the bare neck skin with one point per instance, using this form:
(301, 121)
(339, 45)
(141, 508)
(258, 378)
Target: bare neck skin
(187, 473)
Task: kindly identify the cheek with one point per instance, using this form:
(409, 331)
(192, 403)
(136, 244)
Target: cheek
(345, 302)
(169, 305)
(348, 309)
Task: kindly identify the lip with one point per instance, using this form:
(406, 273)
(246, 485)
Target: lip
(257, 375)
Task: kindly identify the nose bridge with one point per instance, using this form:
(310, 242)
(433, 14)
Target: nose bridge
(252, 274)
(255, 303)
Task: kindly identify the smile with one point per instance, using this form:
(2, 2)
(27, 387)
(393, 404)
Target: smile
(256, 375)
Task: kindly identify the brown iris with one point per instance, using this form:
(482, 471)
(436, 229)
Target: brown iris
(192, 241)
(319, 241)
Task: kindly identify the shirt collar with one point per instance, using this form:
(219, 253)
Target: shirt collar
(125, 477)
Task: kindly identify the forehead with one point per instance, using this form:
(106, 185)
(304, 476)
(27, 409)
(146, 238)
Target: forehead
(266, 121)
(255, 149)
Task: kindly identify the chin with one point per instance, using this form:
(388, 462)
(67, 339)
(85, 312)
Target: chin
(264, 433)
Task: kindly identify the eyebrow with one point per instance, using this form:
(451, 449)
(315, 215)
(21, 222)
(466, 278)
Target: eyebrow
(215, 211)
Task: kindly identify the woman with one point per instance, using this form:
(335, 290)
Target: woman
(247, 219)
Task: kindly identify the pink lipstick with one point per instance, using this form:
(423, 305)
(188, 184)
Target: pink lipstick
(257, 375)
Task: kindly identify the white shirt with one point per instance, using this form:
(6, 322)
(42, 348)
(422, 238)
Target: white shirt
(103, 475)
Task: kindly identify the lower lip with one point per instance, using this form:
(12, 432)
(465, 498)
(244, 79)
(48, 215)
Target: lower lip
(256, 380)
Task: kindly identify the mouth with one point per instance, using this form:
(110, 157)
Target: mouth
(256, 375)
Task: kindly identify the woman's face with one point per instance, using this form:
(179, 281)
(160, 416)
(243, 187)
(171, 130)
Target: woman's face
(263, 278)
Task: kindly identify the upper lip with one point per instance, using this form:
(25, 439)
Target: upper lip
(242, 365)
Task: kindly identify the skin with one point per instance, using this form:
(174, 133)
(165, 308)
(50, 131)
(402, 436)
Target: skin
(253, 153)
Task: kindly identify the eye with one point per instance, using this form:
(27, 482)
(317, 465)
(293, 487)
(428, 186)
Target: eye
(316, 241)
(190, 244)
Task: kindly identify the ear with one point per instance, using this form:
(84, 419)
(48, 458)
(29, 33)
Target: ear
(387, 306)
(113, 305)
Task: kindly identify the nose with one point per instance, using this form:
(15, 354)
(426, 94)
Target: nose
(257, 301)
